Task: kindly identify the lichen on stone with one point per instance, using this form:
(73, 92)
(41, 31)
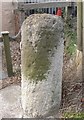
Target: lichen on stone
(35, 65)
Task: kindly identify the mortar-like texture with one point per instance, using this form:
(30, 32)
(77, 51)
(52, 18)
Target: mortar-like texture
(42, 61)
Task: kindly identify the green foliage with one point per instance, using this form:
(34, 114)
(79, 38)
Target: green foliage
(71, 36)
(71, 48)
(74, 116)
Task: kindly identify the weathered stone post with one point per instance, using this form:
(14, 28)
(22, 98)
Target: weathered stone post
(41, 65)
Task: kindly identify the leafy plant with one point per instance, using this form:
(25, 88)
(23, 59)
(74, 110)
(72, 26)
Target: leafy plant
(71, 36)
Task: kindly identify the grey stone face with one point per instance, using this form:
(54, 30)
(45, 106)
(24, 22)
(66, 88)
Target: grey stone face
(10, 102)
(41, 64)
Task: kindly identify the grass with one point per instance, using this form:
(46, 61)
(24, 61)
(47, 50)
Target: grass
(74, 116)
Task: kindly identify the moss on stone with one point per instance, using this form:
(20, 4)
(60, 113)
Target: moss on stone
(36, 64)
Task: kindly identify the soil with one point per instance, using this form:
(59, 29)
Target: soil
(72, 85)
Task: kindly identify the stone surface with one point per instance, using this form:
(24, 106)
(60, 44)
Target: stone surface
(10, 102)
(41, 65)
